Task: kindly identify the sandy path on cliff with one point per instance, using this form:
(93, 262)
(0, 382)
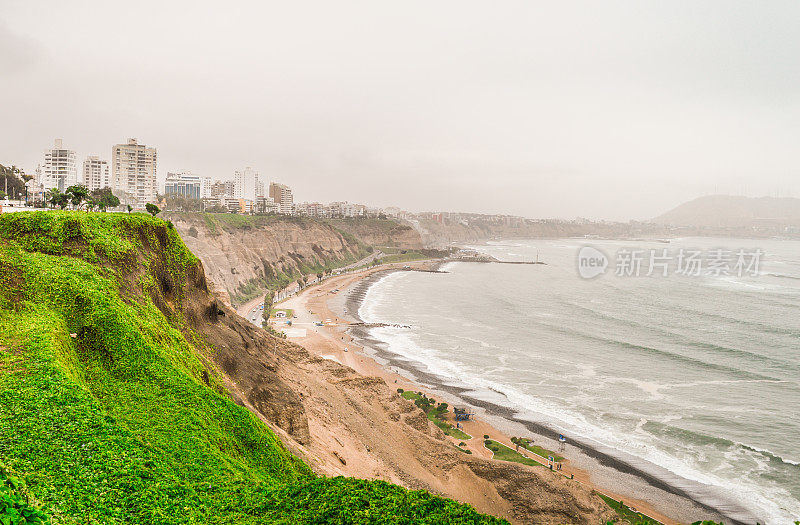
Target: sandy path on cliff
(361, 427)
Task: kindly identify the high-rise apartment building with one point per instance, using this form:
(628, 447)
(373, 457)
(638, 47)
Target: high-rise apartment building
(60, 169)
(95, 173)
(133, 168)
(282, 196)
(245, 184)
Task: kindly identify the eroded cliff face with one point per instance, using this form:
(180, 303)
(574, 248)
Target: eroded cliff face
(442, 234)
(244, 256)
(380, 232)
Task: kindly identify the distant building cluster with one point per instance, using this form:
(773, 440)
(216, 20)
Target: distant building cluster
(336, 210)
(245, 193)
(131, 173)
(467, 219)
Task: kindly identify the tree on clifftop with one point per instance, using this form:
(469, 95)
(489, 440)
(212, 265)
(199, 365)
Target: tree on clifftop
(77, 194)
(152, 209)
(103, 198)
(56, 198)
(12, 182)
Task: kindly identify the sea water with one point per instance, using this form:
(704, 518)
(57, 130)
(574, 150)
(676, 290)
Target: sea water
(697, 374)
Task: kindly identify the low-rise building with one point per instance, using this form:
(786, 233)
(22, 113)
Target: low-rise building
(184, 184)
(232, 204)
(264, 205)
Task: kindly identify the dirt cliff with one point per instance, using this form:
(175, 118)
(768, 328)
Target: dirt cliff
(359, 426)
(436, 234)
(246, 255)
(380, 232)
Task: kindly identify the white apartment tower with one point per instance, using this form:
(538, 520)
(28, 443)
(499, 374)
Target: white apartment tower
(282, 195)
(95, 173)
(60, 170)
(133, 168)
(245, 184)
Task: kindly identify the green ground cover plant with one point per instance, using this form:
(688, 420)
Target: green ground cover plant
(627, 515)
(536, 449)
(435, 412)
(505, 453)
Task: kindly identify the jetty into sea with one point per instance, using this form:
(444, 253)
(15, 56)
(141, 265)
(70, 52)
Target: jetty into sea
(477, 257)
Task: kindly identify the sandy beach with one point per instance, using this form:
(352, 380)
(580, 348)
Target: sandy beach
(343, 338)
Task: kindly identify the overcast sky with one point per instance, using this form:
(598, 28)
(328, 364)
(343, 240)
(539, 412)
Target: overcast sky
(544, 109)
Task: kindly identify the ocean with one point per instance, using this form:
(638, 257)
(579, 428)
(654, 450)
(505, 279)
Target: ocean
(698, 375)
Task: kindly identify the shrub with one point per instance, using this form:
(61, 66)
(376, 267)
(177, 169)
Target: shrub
(152, 209)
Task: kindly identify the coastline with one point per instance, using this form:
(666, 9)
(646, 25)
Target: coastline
(650, 488)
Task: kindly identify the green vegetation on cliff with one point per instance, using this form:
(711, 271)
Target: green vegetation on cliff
(504, 453)
(109, 410)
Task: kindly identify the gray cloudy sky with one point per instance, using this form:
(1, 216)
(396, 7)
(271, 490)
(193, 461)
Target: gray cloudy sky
(545, 109)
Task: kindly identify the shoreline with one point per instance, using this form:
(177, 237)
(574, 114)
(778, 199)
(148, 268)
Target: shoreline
(699, 496)
(621, 479)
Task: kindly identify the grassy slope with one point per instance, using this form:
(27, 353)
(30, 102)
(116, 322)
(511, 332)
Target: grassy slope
(504, 453)
(436, 415)
(104, 411)
(536, 449)
(626, 515)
